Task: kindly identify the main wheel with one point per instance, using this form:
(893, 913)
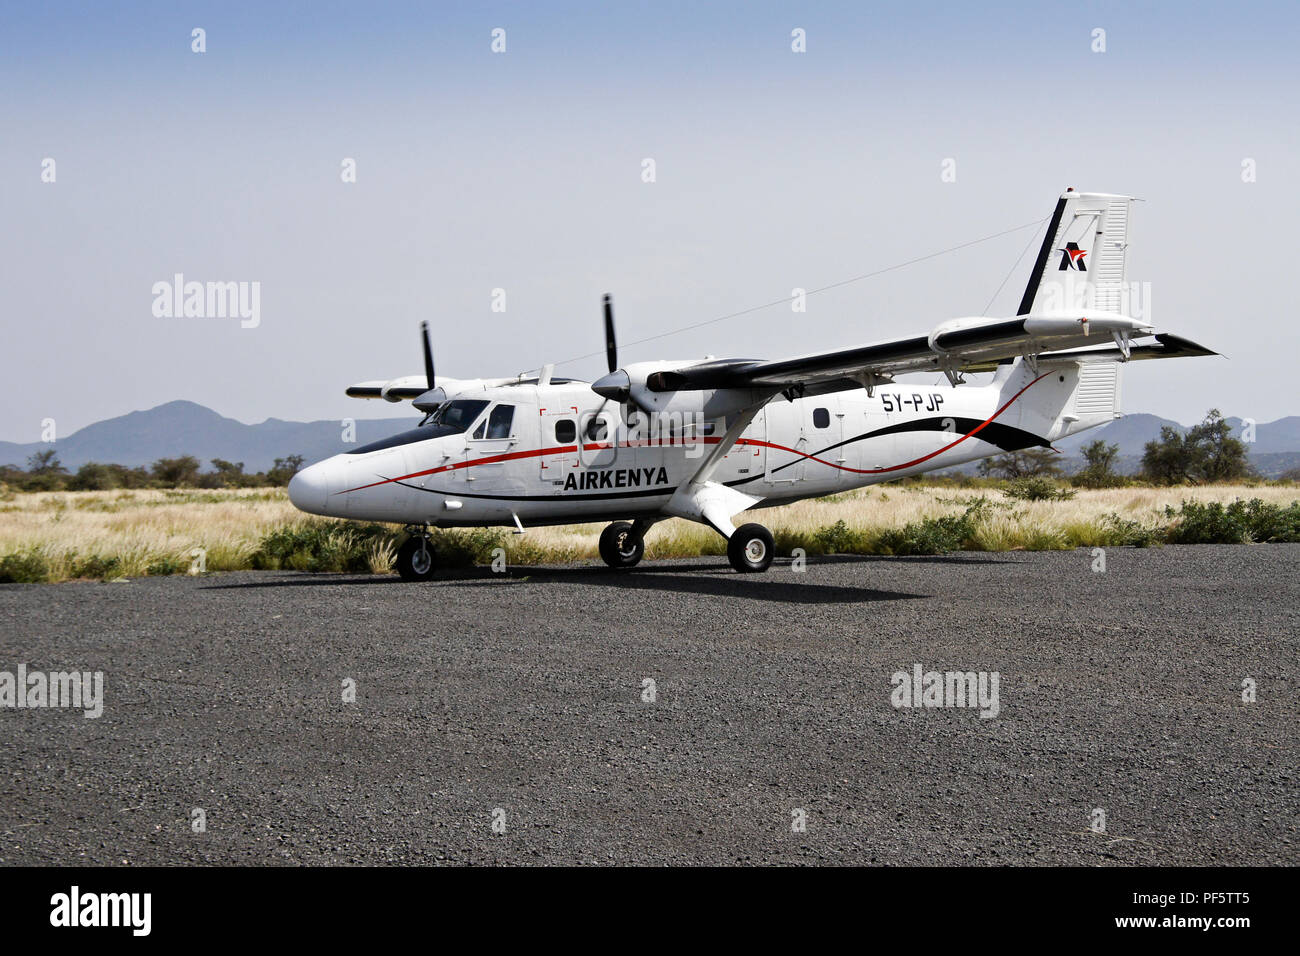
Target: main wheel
(751, 548)
(415, 559)
(620, 546)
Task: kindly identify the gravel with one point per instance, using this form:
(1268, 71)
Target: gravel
(517, 698)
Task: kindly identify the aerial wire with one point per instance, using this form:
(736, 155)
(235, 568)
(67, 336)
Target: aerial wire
(834, 285)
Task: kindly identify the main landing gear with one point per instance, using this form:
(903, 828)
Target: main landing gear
(415, 558)
(749, 549)
(621, 545)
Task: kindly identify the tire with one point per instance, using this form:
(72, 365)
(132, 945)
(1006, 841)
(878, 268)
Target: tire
(750, 548)
(415, 560)
(620, 547)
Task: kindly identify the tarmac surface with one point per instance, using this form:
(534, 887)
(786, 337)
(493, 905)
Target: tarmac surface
(508, 718)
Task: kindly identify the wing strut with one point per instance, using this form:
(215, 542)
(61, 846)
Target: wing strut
(699, 498)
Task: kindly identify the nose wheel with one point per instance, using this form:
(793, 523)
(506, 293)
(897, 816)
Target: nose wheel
(415, 559)
(751, 548)
(621, 546)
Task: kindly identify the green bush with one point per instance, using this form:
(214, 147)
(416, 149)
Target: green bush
(836, 539)
(1237, 522)
(1037, 488)
(29, 567)
(320, 546)
(1124, 531)
(934, 535)
(96, 566)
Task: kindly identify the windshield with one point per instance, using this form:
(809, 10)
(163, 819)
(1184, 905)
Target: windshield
(457, 415)
(451, 418)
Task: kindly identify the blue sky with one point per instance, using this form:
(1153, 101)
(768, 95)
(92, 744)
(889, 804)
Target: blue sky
(521, 171)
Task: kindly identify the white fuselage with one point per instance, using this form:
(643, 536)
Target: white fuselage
(560, 454)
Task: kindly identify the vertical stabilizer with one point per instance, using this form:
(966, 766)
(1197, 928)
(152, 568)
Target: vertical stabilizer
(1082, 262)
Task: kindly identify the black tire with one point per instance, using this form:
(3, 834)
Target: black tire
(750, 548)
(415, 560)
(620, 546)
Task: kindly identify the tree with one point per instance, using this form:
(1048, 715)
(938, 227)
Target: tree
(45, 463)
(284, 469)
(1099, 472)
(1222, 457)
(230, 474)
(93, 476)
(1208, 452)
(175, 472)
(1026, 463)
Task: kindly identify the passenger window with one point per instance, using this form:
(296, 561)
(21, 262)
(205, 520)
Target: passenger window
(821, 418)
(565, 431)
(498, 423)
(597, 429)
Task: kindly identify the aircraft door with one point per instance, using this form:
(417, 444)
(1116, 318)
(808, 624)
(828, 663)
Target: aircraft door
(558, 441)
(788, 443)
(824, 430)
(491, 438)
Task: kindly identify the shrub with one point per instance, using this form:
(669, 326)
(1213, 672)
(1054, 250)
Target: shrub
(1237, 522)
(27, 567)
(96, 566)
(836, 539)
(934, 535)
(320, 546)
(1037, 488)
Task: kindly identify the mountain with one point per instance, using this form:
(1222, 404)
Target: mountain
(1275, 449)
(185, 428)
(1131, 433)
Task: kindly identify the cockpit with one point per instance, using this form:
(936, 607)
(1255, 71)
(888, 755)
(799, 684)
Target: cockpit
(453, 417)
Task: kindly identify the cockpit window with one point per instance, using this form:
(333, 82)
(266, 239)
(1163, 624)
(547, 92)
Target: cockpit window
(499, 421)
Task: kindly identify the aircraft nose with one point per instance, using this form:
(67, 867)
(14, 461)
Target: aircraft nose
(309, 489)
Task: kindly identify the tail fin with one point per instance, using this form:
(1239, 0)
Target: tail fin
(1081, 264)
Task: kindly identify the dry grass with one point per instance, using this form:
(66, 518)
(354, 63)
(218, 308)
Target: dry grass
(132, 533)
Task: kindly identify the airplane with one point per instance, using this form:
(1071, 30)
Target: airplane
(713, 439)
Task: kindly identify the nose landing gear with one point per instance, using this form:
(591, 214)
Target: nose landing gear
(415, 558)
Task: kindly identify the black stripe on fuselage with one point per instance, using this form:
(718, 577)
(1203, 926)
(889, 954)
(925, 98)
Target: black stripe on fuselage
(1006, 437)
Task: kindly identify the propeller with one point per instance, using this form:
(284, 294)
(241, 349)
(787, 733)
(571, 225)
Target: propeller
(616, 385)
(428, 353)
(611, 343)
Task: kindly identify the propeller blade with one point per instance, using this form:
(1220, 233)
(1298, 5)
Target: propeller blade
(428, 353)
(611, 345)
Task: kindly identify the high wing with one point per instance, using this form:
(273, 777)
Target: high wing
(1071, 303)
(967, 345)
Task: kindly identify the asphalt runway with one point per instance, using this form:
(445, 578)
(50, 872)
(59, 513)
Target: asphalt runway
(517, 699)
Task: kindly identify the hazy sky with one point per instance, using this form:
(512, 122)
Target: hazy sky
(523, 171)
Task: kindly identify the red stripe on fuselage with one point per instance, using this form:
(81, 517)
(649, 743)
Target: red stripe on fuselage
(652, 443)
